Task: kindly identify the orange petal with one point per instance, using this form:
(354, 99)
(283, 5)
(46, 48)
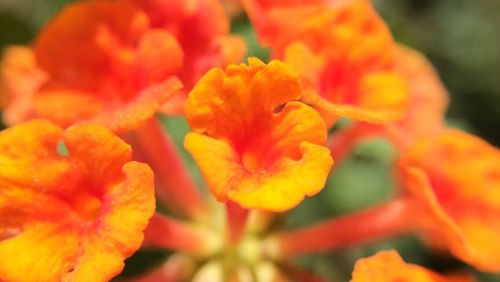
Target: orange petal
(97, 150)
(437, 225)
(382, 99)
(387, 266)
(134, 113)
(28, 154)
(67, 47)
(305, 63)
(461, 167)
(42, 252)
(294, 124)
(64, 107)
(217, 161)
(160, 55)
(379, 97)
(120, 231)
(479, 231)
(287, 185)
(233, 49)
(222, 94)
(20, 78)
(428, 98)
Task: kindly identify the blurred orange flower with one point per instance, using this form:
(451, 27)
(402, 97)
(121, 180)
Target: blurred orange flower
(424, 116)
(255, 144)
(428, 99)
(116, 62)
(344, 53)
(202, 30)
(456, 180)
(387, 266)
(69, 217)
(101, 62)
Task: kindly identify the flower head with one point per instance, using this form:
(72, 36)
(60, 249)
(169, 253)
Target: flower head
(344, 53)
(202, 31)
(456, 177)
(101, 60)
(387, 266)
(72, 217)
(424, 114)
(256, 144)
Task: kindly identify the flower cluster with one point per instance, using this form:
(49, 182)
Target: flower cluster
(85, 157)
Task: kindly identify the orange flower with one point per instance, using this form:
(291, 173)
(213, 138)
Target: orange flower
(202, 30)
(72, 217)
(387, 266)
(456, 179)
(343, 52)
(254, 143)
(102, 63)
(424, 116)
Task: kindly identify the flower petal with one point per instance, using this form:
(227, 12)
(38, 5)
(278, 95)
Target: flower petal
(42, 252)
(20, 77)
(119, 233)
(217, 161)
(33, 161)
(134, 113)
(388, 266)
(100, 153)
(67, 47)
(288, 184)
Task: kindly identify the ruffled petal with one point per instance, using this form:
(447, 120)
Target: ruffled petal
(98, 151)
(42, 252)
(287, 184)
(119, 232)
(28, 155)
(217, 161)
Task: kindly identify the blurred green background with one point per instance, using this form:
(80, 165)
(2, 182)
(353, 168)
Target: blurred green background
(462, 39)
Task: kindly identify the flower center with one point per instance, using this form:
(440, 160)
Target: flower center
(251, 162)
(87, 206)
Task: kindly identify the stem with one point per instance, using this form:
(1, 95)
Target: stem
(169, 233)
(175, 185)
(259, 221)
(386, 220)
(236, 221)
